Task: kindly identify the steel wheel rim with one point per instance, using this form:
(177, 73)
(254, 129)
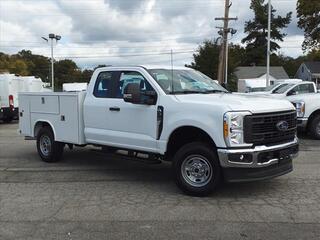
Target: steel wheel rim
(45, 145)
(196, 170)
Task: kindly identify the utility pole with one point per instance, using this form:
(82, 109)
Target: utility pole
(268, 50)
(223, 58)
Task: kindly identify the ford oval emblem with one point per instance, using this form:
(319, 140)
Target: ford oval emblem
(282, 126)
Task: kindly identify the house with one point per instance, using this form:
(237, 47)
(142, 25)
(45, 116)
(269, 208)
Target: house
(255, 72)
(254, 78)
(309, 71)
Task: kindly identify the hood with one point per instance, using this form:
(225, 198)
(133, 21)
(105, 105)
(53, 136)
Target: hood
(239, 102)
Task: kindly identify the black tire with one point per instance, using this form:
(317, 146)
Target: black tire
(314, 127)
(195, 153)
(53, 150)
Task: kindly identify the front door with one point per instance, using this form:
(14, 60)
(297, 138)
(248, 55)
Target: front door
(133, 125)
(111, 121)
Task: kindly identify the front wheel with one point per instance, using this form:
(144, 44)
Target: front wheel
(49, 150)
(197, 169)
(315, 127)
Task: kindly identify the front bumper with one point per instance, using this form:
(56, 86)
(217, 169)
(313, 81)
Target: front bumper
(258, 163)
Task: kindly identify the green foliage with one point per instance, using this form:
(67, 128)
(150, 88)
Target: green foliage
(25, 63)
(257, 31)
(206, 60)
(308, 12)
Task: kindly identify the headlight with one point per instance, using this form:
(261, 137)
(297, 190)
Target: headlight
(300, 108)
(233, 128)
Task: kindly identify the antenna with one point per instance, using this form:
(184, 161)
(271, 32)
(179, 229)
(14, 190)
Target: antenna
(172, 90)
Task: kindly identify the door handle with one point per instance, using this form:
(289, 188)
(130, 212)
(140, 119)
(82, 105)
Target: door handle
(114, 109)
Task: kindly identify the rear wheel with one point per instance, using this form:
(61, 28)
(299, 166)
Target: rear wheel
(48, 149)
(197, 169)
(315, 127)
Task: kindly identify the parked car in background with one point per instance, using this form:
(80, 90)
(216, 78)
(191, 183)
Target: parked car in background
(74, 87)
(276, 84)
(308, 112)
(283, 90)
(251, 85)
(294, 89)
(170, 114)
(10, 86)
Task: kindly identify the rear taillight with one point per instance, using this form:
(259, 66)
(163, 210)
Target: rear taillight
(11, 103)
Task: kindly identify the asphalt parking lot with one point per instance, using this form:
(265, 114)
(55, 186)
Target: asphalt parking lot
(88, 196)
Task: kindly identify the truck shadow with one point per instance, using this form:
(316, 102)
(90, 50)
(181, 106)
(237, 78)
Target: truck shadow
(158, 177)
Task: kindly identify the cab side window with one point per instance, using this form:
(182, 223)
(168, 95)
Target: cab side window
(131, 77)
(103, 86)
(305, 88)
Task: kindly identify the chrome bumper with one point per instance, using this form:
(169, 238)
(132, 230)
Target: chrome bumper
(257, 160)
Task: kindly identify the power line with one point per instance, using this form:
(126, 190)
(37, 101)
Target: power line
(126, 55)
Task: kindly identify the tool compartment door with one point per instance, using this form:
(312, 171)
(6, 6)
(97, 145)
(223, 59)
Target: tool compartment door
(44, 104)
(24, 115)
(67, 127)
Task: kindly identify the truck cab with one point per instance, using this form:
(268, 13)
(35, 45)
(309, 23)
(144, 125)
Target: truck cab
(290, 89)
(171, 114)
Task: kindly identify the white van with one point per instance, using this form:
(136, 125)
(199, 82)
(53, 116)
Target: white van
(10, 85)
(32, 84)
(251, 85)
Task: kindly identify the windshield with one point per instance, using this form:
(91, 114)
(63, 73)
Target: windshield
(276, 87)
(282, 89)
(258, 89)
(185, 81)
(272, 87)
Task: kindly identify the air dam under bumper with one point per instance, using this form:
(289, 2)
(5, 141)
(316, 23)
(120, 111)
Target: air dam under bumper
(258, 163)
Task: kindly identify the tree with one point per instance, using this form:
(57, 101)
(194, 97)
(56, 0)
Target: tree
(38, 66)
(206, 60)
(66, 71)
(308, 12)
(25, 63)
(257, 31)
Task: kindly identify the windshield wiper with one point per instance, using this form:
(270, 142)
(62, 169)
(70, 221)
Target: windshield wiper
(216, 91)
(187, 92)
(199, 92)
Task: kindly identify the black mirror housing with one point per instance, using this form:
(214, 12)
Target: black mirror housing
(132, 93)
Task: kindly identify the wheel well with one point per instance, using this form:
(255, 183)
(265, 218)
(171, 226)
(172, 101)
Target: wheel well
(312, 116)
(184, 135)
(40, 125)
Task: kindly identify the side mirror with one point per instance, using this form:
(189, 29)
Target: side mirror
(132, 93)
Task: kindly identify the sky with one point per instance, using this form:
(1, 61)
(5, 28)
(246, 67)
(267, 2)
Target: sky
(118, 32)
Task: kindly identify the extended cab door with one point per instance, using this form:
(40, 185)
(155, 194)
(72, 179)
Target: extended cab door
(114, 122)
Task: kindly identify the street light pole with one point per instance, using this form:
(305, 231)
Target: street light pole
(268, 48)
(57, 38)
(52, 66)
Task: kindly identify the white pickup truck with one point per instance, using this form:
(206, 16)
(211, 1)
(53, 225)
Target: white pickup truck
(177, 115)
(308, 112)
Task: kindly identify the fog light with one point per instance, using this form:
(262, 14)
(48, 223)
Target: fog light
(240, 158)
